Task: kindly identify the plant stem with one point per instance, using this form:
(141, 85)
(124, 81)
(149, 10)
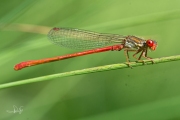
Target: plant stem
(91, 70)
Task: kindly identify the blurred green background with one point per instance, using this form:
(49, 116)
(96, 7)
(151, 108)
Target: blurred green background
(142, 93)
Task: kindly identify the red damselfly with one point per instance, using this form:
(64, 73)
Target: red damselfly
(97, 42)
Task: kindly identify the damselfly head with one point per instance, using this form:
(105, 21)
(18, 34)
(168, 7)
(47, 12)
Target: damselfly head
(151, 44)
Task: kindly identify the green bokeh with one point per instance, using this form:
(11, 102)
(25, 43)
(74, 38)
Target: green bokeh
(142, 93)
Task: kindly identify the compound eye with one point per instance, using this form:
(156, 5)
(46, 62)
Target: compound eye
(150, 43)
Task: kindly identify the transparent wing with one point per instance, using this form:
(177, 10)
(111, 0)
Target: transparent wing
(82, 39)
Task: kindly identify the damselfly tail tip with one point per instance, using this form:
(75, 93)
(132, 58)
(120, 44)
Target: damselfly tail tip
(21, 65)
(18, 67)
